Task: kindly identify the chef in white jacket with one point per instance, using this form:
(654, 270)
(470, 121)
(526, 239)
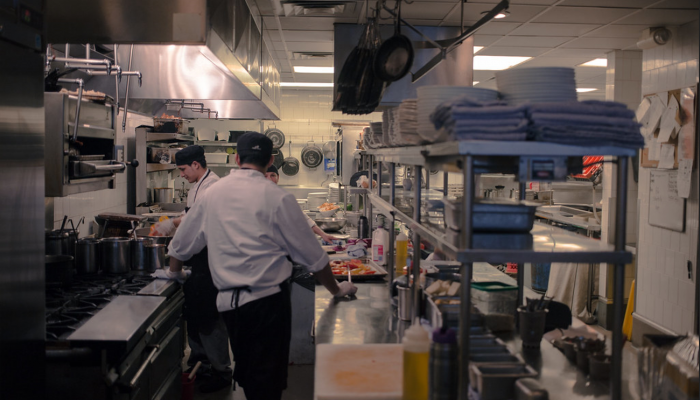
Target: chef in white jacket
(252, 228)
(206, 331)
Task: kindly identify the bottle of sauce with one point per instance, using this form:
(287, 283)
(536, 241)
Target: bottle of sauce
(401, 253)
(380, 239)
(416, 360)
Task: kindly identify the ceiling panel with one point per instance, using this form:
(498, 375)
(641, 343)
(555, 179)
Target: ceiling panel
(305, 46)
(472, 12)
(577, 53)
(280, 54)
(498, 28)
(533, 2)
(554, 62)
(312, 23)
(424, 22)
(590, 72)
(582, 15)
(315, 62)
(609, 3)
(619, 31)
(532, 41)
(485, 40)
(308, 36)
(601, 43)
(432, 10)
(534, 29)
(274, 35)
(513, 51)
(483, 76)
(659, 17)
(692, 4)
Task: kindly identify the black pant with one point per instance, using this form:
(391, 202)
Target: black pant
(260, 332)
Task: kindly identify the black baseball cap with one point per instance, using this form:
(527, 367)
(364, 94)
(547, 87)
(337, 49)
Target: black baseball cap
(254, 143)
(272, 168)
(189, 154)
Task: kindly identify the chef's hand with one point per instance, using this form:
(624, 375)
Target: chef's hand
(346, 289)
(164, 228)
(328, 238)
(179, 276)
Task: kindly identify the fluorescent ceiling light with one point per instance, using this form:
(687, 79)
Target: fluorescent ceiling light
(313, 70)
(496, 63)
(306, 84)
(477, 48)
(500, 15)
(598, 62)
(474, 83)
(584, 90)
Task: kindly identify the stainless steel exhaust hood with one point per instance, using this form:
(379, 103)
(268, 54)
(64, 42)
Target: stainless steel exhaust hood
(225, 65)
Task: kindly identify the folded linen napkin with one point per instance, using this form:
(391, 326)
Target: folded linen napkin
(589, 107)
(584, 135)
(539, 118)
(515, 136)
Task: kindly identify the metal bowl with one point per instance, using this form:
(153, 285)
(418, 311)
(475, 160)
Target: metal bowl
(331, 224)
(143, 233)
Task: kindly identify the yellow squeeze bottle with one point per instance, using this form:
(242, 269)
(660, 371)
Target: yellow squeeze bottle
(416, 360)
(401, 253)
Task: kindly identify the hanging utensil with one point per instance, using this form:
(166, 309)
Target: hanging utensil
(278, 159)
(311, 155)
(276, 136)
(63, 225)
(395, 57)
(371, 88)
(290, 167)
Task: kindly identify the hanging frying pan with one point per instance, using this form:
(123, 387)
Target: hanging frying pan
(290, 167)
(279, 158)
(276, 136)
(395, 57)
(311, 155)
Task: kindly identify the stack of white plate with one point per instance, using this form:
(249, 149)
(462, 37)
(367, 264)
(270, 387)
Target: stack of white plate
(378, 135)
(430, 97)
(406, 121)
(537, 85)
(314, 200)
(334, 192)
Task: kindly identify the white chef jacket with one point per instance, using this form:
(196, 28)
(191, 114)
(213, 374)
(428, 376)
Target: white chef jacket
(250, 226)
(201, 186)
(309, 221)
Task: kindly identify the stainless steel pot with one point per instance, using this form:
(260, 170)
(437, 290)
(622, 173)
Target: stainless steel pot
(163, 195)
(139, 254)
(143, 233)
(115, 255)
(58, 269)
(331, 224)
(87, 259)
(155, 257)
(57, 242)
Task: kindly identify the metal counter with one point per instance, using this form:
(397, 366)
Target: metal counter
(370, 318)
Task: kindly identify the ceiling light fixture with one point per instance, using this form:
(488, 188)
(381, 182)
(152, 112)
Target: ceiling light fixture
(598, 62)
(306, 84)
(585, 90)
(474, 83)
(500, 15)
(477, 49)
(313, 70)
(496, 63)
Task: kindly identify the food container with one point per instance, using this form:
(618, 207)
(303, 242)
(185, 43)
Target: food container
(155, 257)
(87, 259)
(206, 134)
(599, 366)
(501, 241)
(530, 389)
(494, 297)
(57, 242)
(497, 382)
(158, 155)
(330, 224)
(163, 195)
(493, 215)
(531, 327)
(115, 255)
(216, 158)
(405, 303)
(170, 125)
(139, 260)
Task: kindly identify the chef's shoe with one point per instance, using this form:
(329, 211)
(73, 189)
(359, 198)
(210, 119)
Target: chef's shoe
(216, 383)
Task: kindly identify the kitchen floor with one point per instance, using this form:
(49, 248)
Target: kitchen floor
(300, 385)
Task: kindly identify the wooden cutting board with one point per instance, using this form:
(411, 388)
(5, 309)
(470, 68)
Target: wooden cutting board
(362, 372)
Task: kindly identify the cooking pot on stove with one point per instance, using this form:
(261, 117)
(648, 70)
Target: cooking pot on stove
(143, 233)
(86, 256)
(57, 242)
(58, 270)
(115, 255)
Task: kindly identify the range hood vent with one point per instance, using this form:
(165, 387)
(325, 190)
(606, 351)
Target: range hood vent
(311, 55)
(310, 8)
(208, 51)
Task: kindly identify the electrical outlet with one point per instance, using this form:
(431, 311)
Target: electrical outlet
(119, 153)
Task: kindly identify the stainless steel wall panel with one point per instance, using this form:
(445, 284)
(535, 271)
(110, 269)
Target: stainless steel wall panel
(21, 223)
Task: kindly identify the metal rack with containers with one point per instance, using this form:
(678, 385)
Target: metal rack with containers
(549, 161)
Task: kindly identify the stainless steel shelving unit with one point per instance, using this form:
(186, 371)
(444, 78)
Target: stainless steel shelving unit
(548, 241)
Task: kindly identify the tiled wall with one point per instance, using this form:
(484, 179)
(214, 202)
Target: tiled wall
(305, 115)
(665, 295)
(90, 204)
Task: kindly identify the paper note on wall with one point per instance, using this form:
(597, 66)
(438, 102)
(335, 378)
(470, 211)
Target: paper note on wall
(668, 124)
(654, 149)
(655, 112)
(667, 156)
(685, 172)
(643, 110)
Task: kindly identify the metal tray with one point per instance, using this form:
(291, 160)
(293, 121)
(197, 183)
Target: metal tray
(493, 215)
(497, 381)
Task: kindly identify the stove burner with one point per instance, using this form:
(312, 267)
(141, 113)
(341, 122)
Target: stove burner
(68, 308)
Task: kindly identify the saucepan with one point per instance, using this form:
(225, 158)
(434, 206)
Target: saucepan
(143, 233)
(331, 224)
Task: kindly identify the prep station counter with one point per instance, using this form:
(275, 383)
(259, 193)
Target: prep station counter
(371, 319)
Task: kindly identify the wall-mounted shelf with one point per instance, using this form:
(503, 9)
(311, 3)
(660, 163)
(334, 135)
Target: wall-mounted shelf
(205, 143)
(159, 137)
(151, 167)
(215, 165)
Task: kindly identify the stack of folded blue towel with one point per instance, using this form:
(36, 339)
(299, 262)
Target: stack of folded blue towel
(468, 119)
(585, 123)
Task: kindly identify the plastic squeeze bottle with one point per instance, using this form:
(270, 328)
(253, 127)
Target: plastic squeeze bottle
(416, 359)
(380, 240)
(401, 253)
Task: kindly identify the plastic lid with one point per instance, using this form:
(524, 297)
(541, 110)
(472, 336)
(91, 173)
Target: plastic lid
(401, 236)
(447, 336)
(416, 334)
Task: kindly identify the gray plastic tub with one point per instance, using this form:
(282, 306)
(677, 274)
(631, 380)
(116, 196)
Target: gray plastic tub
(497, 381)
(493, 215)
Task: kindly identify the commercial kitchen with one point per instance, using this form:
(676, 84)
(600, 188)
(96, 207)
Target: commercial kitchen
(533, 162)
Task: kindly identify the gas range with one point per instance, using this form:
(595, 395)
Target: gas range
(67, 308)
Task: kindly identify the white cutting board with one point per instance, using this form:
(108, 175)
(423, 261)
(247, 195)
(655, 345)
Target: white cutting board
(361, 372)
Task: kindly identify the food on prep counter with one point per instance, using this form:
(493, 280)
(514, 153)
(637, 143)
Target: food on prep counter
(443, 288)
(328, 207)
(340, 267)
(439, 302)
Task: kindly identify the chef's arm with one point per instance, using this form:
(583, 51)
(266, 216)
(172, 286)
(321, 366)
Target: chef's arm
(325, 277)
(177, 221)
(328, 238)
(175, 264)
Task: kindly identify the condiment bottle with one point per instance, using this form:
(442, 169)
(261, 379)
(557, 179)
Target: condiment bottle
(380, 239)
(401, 253)
(443, 383)
(416, 358)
